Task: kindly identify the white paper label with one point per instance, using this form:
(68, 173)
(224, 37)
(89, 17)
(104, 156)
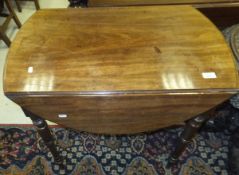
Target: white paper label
(62, 115)
(30, 70)
(209, 75)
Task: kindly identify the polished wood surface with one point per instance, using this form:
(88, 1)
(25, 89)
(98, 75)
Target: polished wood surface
(120, 49)
(119, 70)
(121, 114)
(200, 3)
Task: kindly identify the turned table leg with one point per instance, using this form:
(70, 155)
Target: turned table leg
(44, 132)
(190, 130)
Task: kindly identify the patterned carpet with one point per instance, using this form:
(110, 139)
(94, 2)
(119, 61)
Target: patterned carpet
(23, 153)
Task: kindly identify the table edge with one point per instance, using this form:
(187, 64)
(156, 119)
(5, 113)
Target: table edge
(123, 93)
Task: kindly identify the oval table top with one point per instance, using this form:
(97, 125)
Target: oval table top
(99, 50)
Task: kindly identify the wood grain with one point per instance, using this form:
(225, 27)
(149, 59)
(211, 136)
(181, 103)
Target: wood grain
(121, 114)
(98, 3)
(119, 70)
(120, 49)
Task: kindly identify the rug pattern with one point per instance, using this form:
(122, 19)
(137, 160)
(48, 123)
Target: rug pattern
(22, 152)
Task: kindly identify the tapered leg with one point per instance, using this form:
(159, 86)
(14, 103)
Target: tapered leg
(10, 8)
(4, 37)
(37, 4)
(18, 6)
(45, 134)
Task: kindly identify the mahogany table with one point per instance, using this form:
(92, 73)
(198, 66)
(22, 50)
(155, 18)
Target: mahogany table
(119, 70)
